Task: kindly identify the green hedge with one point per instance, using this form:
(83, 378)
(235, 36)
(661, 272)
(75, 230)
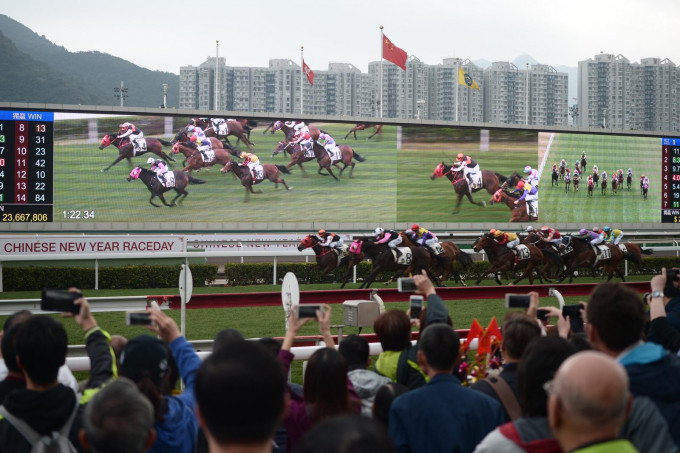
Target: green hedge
(129, 277)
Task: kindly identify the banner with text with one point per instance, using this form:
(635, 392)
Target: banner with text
(59, 245)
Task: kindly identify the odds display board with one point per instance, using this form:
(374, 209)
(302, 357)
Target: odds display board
(26, 158)
(64, 171)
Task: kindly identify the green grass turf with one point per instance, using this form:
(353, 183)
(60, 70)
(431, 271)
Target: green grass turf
(368, 197)
(423, 200)
(610, 154)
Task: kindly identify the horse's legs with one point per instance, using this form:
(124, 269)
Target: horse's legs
(162, 197)
(120, 157)
(152, 203)
(330, 172)
(282, 181)
(458, 202)
(480, 203)
(166, 157)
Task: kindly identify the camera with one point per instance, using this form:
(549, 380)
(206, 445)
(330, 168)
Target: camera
(517, 300)
(307, 310)
(406, 285)
(416, 306)
(60, 301)
(542, 315)
(574, 313)
(141, 318)
(671, 277)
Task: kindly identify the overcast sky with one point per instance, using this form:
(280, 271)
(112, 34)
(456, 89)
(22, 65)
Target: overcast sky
(164, 35)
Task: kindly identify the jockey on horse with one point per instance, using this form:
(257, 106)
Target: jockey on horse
(593, 237)
(423, 237)
(331, 240)
(530, 195)
(220, 126)
(202, 142)
(159, 167)
(131, 131)
(329, 145)
(532, 176)
(510, 240)
(614, 235)
(303, 139)
(252, 161)
(551, 235)
(470, 169)
(390, 237)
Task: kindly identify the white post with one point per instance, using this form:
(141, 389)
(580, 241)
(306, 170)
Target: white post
(165, 95)
(217, 75)
(274, 281)
(302, 72)
(526, 98)
(96, 274)
(381, 70)
(457, 84)
(122, 86)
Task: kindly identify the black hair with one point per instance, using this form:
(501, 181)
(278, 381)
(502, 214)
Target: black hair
(346, 434)
(518, 331)
(355, 350)
(384, 398)
(618, 315)
(325, 386)
(539, 363)
(226, 337)
(441, 346)
(41, 344)
(272, 344)
(244, 375)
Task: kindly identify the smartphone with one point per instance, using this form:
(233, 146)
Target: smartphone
(574, 313)
(517, 300)
(671, 276)
(138, 318)
(542, 315)
(307, 310)
(60, 301)
(406, 285)
(416, 306)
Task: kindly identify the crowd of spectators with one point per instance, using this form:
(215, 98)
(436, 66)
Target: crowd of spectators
(615, 387)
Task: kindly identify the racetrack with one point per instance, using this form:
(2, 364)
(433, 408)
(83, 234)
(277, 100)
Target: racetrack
(368, 197)
(609, 153)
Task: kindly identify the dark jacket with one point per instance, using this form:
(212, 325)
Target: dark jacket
(509, 374)
(661, 332)
(653, 372)
(49, 410)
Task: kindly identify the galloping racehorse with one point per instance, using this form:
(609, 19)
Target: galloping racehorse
(182, 137)
(563, 169)
(585, 256)
(503, 259)
(645, 189)
(149, 178)
(584, 162)
(567, 182)
(518, 212)
(383, 260)
(591, 185)
(361, 127)
(195, 160)
(297, 155)
(604, 186)
(490, 182)
(289, 132)
(576, 181)
(552, 262)
(234, 128)
(271, 172)
(325, 161)
(633, 253)
(615, 184)
(327, 259)
(629, 180)
(127, 151)
(555, 181)
(446, 264)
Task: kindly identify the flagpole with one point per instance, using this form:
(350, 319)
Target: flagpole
(381, 70)
(302, 71)
(457, 84)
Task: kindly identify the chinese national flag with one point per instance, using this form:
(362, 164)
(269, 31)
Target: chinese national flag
(393, 53)
(308, 72)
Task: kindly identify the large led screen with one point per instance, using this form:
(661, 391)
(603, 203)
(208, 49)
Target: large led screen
(51, 172)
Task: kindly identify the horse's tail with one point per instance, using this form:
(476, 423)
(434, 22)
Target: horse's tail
(193, 180)
(283, 169)
(646, 251)
(232, 151)
(358, 157)
(252, 123)
(164, 142)
(630, 257)
(464, 258)
(500, 177)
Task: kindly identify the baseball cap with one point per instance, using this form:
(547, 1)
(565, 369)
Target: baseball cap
(144, 353)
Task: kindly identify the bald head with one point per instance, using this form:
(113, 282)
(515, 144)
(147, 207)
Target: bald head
(593, 388)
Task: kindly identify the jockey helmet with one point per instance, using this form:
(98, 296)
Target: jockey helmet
(492, 231)
(191, 128)
(322, 231)
(498, 234)
(607, 229)
(379, 231)
(415, 227)
(530, 228)
(150, 160)
(243, 155)
(527, 169)
(582, 231)
(583, 153)
(289, 123)
(544, 228)
(642, 176)
(520, 184)
(193, 138)
(460, 157)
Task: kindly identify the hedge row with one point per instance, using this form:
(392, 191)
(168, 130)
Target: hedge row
(125, 277)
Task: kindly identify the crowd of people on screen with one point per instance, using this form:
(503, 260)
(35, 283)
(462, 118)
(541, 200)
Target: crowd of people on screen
(615, 387)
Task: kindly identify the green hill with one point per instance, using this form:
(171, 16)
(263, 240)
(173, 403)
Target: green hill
(23, 79)
(95, 72)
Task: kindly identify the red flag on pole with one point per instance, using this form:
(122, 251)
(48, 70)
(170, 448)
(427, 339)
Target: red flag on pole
(308, 72)
(393, 53)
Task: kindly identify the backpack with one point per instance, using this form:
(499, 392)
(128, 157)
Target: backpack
(56, 442)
